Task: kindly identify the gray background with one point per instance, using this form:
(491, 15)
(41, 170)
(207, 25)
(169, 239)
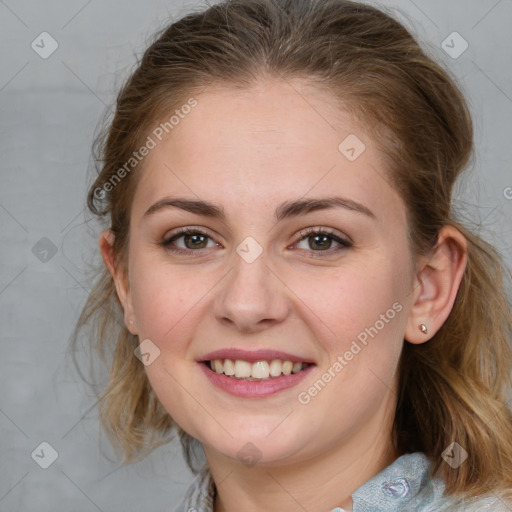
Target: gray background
(50, 109)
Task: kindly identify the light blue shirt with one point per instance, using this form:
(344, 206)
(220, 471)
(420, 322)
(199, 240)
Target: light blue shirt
(404, 486)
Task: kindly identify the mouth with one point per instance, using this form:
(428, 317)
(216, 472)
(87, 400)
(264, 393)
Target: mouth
(255, 371)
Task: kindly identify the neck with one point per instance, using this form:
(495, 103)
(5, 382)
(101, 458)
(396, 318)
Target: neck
(320, 483)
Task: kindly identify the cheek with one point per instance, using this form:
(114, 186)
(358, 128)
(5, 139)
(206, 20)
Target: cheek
(339, 304)
(168, 306)
(164, 298)
(351, 299)
(359, 314)
(360, 320)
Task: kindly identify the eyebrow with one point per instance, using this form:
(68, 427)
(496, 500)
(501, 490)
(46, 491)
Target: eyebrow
(286, 210)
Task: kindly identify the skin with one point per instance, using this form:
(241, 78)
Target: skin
(248, 152)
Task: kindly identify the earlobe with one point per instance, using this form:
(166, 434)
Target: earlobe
(436, 286)
(119, 276)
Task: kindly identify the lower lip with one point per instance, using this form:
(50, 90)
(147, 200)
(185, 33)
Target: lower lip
(254, 389)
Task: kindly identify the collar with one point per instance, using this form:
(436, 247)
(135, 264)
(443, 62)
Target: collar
(405, 486)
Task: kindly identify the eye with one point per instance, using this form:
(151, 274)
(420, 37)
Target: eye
(317, 241)
(193, 239)
(320, 240)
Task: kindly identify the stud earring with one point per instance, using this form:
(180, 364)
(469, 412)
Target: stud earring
(423, 328)
(132, 322)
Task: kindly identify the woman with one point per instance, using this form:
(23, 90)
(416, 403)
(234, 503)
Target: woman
(298, 297)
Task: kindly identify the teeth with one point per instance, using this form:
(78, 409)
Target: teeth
(259, 370)
(218, 366)
(275, 368)
(287, 367)
(229, 366)
(242, 369)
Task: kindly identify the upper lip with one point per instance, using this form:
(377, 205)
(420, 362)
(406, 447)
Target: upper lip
(253, 355)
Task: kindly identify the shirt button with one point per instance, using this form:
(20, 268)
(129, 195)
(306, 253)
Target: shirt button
(398, 488)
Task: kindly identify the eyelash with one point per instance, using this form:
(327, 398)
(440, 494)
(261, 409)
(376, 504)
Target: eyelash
(305, 233)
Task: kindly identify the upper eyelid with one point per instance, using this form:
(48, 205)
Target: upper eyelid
(179, 232)
(327, 231)
(301, 232)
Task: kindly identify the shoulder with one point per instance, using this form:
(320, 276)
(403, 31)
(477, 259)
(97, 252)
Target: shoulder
(408, 485)
(432, 495)
(488, 503)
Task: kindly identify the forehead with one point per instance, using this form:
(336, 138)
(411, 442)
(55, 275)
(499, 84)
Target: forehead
(278, 140)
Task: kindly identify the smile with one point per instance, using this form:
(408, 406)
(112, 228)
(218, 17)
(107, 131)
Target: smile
(257, 370)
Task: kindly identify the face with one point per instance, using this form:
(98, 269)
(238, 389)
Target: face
(256, 279)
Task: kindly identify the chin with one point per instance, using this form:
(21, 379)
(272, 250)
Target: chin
(258, 447)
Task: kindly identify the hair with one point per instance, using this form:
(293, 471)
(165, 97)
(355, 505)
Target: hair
(453, 387)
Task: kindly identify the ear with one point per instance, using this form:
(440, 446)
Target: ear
(436, 285)
(120, 277)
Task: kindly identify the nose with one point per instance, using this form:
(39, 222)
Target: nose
(252, 297)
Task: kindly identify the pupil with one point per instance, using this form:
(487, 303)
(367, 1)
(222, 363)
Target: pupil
(196, 239)
(324, 238)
